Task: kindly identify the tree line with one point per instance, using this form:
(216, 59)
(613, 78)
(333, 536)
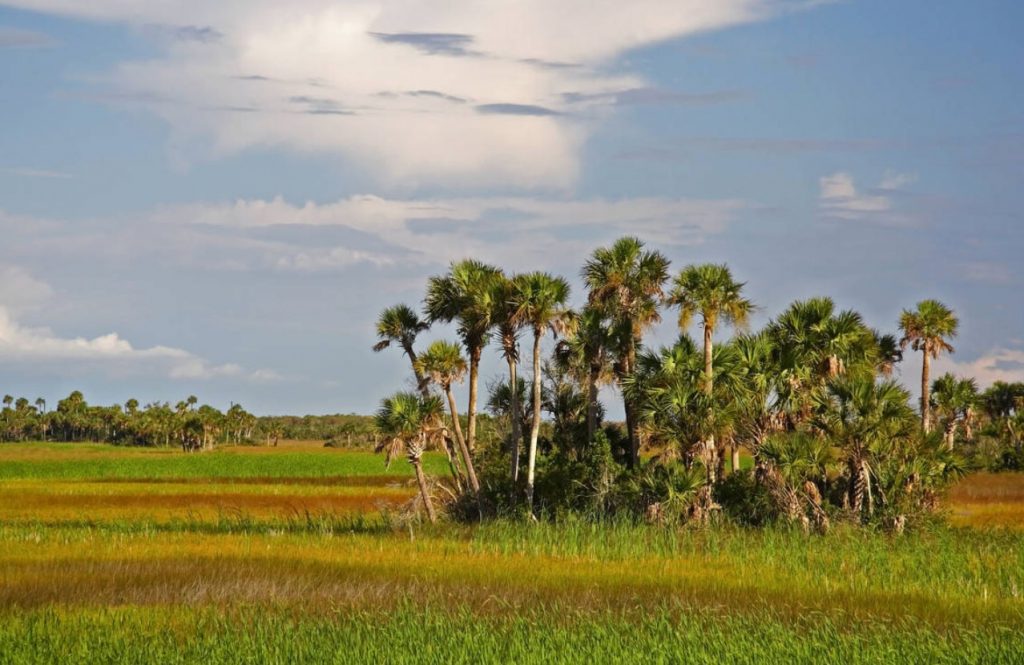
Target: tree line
(809, 397)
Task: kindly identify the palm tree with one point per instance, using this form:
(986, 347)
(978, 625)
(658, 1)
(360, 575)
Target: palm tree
(813, 344)
(466, 295)
(859, 416)
(409, 421)
(509, 326)
(540, 302)
(586, 354)
(401, 325)
(443, 364)
(626, 283)
(953, 401)
(709, 290)
(928, 329)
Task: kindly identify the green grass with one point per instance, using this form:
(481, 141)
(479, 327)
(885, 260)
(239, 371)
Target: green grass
(460, 635)
(75, 461)
(281, 587)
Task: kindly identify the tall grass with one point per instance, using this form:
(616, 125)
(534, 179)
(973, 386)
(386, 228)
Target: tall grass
(98, 462)
(459, 635)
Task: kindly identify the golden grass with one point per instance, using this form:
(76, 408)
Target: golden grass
(88, 567)
(988, 500)
(55, 502)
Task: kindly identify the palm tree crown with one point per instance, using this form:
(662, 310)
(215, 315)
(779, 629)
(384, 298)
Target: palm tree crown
(709, 290)
(399, 325)
(443, 363)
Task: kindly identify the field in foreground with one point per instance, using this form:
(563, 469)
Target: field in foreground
(92, 570)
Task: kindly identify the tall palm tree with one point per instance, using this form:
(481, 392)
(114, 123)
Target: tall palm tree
(710, 291)
(541, 304)
(443, 364)
(409, 421)
(466, 296)
(586, 354)
(509, 325)
(953, 402)
(928, 329)
(626, 282)
(401, 325)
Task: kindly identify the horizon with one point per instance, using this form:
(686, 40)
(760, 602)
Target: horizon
(208, 201)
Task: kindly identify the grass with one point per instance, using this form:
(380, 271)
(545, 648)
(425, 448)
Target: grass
(460, 635)
(264, 555)
(76, 461)
(989, 499)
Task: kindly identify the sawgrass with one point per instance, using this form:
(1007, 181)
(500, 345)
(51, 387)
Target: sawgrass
(74, 461)
(262, 555)
(460, 635)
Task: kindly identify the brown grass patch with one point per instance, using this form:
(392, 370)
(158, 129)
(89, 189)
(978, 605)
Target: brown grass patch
(988, 499)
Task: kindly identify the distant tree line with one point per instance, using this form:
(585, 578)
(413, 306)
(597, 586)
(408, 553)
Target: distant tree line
(186, 424)
(809, 397)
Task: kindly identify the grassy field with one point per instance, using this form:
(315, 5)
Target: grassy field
(280, 555)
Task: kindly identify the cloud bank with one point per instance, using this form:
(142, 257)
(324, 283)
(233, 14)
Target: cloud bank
(460, 92)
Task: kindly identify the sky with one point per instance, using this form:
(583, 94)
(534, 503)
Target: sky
(218, 198)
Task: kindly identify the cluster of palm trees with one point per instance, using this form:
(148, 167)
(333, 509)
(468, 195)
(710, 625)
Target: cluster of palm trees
(187, 424)
(809, 397)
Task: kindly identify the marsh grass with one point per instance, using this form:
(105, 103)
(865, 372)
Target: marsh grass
(256, 555)
(74, 461)
(413, 634)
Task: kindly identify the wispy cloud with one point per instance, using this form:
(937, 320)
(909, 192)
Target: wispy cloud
(840, 198)
(18, 38)
(37, 173)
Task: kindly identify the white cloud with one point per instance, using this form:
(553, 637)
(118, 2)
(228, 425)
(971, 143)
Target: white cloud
(840, 198)
(506, 230)
(19, 290)
(398, 86)
(1000, 364)
(1004, 363)
(42, 348)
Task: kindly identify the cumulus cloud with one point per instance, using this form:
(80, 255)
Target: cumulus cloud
(1000, 364)
(41, 348)
(840, 198)
(229, 77)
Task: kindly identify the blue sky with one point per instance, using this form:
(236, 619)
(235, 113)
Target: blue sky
(217, 198)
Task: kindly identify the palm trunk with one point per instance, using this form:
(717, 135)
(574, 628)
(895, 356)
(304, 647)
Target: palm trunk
(517, 435)
(467, 458)
(474, 375)
(531, 461)
(631, 425)
(858, 486)
(735, 457)
(595, 371)
(422, 382)
(708, 369)
(949, 434)
(926, 423)
(421, 479)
